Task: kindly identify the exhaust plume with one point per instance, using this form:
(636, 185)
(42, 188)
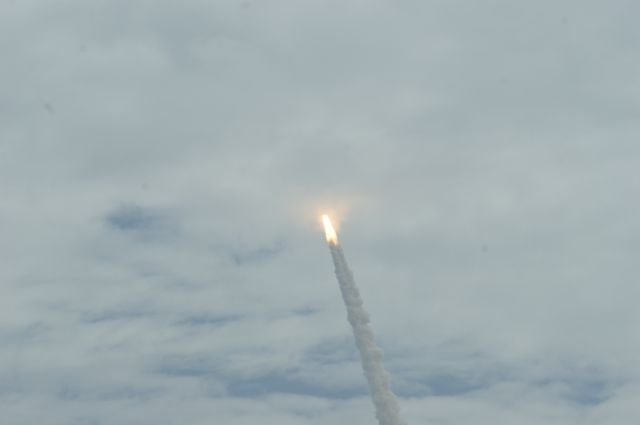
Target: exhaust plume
(384, 401)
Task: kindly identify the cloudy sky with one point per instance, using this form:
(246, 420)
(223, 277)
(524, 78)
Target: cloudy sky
(163, 165)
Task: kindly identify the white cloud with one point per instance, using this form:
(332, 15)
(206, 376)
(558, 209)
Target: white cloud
(161, 167)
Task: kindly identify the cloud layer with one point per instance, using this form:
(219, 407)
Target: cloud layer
(163, 165)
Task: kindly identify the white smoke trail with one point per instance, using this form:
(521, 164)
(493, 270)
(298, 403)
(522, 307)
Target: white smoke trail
(386, 405)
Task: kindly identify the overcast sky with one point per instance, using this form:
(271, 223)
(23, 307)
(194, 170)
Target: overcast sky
(163, 165)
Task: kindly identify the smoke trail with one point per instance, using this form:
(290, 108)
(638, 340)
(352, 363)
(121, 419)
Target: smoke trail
(387, 410)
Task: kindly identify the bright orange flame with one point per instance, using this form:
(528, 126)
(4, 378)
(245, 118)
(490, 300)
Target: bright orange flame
(329, 231)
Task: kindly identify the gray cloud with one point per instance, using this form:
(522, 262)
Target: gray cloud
(162, 167)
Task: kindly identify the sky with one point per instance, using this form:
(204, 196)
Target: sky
(163, 167)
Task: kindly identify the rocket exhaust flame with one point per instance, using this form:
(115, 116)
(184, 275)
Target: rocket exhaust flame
(329, 231)
(386, 405)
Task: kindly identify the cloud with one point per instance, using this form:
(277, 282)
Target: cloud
(162, 168)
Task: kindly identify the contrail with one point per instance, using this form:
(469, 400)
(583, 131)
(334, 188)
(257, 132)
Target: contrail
(386, 405)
